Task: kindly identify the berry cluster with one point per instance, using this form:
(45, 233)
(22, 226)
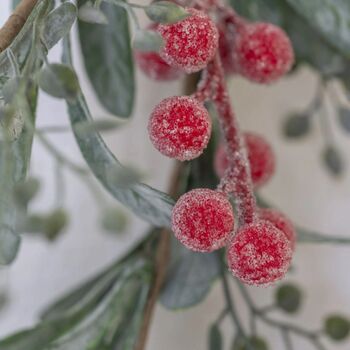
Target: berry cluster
(260, 242)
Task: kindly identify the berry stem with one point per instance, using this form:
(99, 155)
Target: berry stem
(237, 179)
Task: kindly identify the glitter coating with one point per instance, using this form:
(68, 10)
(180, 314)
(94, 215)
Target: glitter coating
(180, 127)
(191, 43)
(153, 66)
(260, 156)
(259, 254)
(202, 220)
(280, 221)
(263, 52)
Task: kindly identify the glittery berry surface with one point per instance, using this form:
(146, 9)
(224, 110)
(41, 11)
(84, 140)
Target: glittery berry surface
(202, 220)
(259, 254)
(263, 52)
(191, 43)
(152, 65)
(280, 221)
(180, 127)
(260, 155)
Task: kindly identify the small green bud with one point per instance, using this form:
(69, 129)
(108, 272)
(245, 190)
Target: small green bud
(288, 298)
(165, 12)
(337, 327)
(296, 126)
(59, 81)
(54, 223)
(344, 118)
(24, 192)
(333, 161)
(114, 220)
(254, 342)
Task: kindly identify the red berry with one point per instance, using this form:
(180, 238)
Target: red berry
(202, 220)
(263, 52)
(280, 221)
(260, 155)
(259, 254)
(154, 66)
(191, 43)
(180, 127)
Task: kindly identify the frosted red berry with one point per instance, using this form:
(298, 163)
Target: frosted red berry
(180, 127)
(263, 52)
(202, 220)
(152, 65)
(260, 155)
(259, 254)
(191, 43)
(280, 221)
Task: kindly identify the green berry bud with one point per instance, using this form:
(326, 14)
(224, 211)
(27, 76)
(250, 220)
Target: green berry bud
(250, 343)
(337, 327)
(114, 220)
(288, 298)
(25, 191)
(296, 126)
(54, 223)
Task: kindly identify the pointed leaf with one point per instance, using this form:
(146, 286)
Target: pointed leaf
(108, 59)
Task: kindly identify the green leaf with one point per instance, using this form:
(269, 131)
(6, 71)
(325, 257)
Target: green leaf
(148, 40)
(288, 298)
(215, 338)
(251, 343)
(331, 18)
(59, 81)
(106, 317)
(58, 23)
(146, 202)
(100, 125)
(189, 278)
(90, 14)
(9, 245)
(165, 12)
(337, 327)
(108, 59)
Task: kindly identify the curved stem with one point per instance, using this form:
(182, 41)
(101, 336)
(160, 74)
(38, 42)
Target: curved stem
(237, 179)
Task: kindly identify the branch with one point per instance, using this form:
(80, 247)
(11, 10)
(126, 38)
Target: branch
(15, 23)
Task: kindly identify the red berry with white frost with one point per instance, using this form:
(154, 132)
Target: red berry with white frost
(180, 127)
(191, 43)
(260, 156)
(263, 52)
(259, 254)
(280, 221)
(152, 65)
(202, 220)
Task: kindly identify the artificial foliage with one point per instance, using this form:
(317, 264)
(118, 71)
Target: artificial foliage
(212, 224)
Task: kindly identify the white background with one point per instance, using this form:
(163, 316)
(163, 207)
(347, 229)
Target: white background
(300, 187)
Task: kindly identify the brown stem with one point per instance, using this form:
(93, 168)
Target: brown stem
(163, 250)
(15, 23)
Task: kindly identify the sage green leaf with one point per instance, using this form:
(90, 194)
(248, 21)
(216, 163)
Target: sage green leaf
(148, 40)
(97, 320)
(215, 338)
(189, 278)
(108, 59)
(58, 23)
(165, 12)
(90, 14)
(59, 81)
(9, 244)
(148, 203)
(10, 88)
(344, 118)
(331, 18)
(100, 125)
